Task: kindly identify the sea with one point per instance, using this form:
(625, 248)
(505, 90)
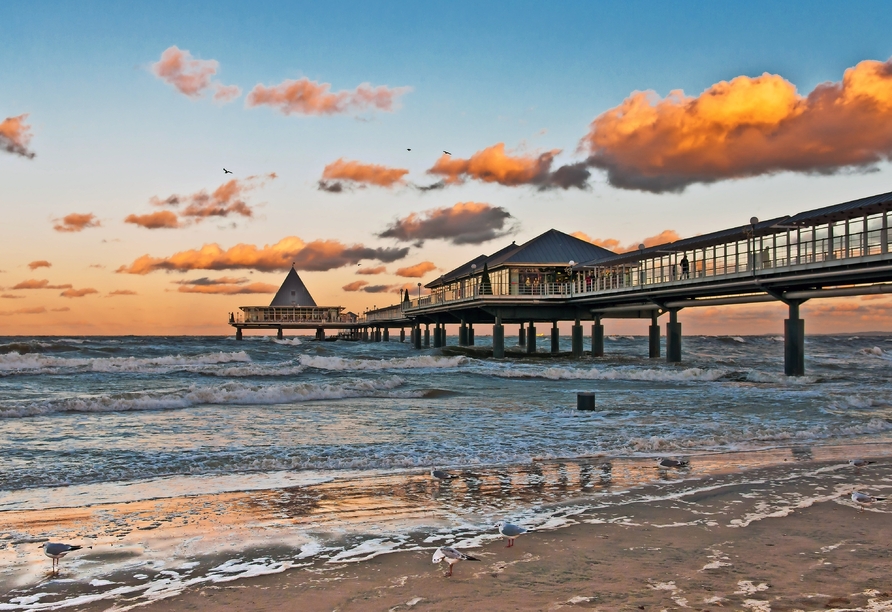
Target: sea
(191, 460)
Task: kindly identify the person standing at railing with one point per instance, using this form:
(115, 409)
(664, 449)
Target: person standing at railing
(685, 266)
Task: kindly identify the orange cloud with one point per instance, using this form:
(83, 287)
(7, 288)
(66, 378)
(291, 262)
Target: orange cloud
(15, 136)
(40, 263)
(416, 271)
(355, 285)
(306, 97)
(372, 271)
(318, 255)
(463, 223)
(76, 293)
(155, 220)
(121, 292)
(76, 222)
(613, 244)
(63, 309)
(35, 310)
(34, 283)
(9, 296)
(359, 173)
(365, 287)
(192, 77)
(745, 127)
(225, 200)
(494, 165)
(225, 285)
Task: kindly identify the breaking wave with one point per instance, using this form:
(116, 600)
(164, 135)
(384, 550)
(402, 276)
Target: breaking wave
(397, 363)
(688, 374)
(36, 363)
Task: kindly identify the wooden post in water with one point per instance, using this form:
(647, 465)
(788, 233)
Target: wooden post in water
(402, 334)
(279, 334)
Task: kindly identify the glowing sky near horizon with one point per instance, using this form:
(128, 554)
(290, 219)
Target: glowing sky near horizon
(619, 122)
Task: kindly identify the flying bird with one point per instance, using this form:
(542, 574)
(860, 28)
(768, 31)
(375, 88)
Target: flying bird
(511, 531)
(408, 149)
(863, 499)
(447, 153)
(451, 556)
(859, 462)
(225, 171)
(56, 551)
(672, 463)
(441, 475)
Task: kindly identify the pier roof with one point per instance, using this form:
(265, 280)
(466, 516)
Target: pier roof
(293, 292)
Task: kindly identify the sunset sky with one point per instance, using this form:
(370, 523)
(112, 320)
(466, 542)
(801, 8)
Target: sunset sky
(623, 122)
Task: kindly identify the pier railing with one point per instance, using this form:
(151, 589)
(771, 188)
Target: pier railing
(290, 314)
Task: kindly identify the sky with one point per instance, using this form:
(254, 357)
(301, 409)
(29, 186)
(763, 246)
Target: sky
(623, 122)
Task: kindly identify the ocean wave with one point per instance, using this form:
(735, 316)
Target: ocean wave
(643, 374)
(288, 341)
(397, 363)
(231, 393)
(37, 363)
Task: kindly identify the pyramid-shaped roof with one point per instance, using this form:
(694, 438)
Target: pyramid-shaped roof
(293, 292)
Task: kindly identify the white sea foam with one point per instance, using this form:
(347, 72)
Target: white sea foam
(644, 374)
(288, 341)
(37, 363)
(398, 363)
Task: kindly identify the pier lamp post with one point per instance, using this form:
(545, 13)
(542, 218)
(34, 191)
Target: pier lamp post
(753, 222)
(570, 274)
(642, 270)
(473, 281)
(419, 294)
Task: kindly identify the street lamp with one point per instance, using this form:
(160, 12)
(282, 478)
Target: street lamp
(419, 294)
(473, 286)
(753, 222)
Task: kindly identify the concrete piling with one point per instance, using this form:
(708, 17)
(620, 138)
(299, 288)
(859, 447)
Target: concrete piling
(531, 338)
(597, 338)
(498, 339)
(577, 339)
(555, 338)
(794, 342)
(673, 337)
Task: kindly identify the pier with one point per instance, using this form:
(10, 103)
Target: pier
(839, 250)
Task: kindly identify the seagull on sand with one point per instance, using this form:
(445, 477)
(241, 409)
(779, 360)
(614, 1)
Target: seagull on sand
(451, 556)
(441, 475)
(225, 171)
(56, 551)
(672, 463)
(511, 531)
(859, 462)
(863, 499)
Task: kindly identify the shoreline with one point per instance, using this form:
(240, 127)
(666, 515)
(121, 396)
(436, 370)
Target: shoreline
(326, 527)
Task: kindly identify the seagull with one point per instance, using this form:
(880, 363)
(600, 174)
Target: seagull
(441, 475)
(225, 171)
(863, 499)
(56, 551)
(408, 149)
(447, 153)
(451, 556)
(859, 462)
(672, 463)
(511, 531)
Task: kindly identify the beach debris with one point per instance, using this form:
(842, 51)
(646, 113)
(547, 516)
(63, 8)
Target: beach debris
(442, 475)
(511, 531)
(860, 462)
(451, 556)
(671, 463)
(56, 550)
(863, 499)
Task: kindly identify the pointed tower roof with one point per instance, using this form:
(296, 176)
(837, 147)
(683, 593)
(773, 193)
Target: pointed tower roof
(293, 292)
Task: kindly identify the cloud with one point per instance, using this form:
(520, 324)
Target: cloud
(363, 286)
(121, 292)
(613, 244)
(34, 283)
(463, 223)
(306, 97)
(40, 263)
(416, 271)
(15, 136)
(76, 222)
(35, 310)
(380, 288)
(355, 285)
(77, 293)
(494, 165)
(192, 77)
(319, 255)
(745, 127)
(9, 296)
(360, 174)
(63, 309)
(156, 220)
(225, 285)
(372, 271)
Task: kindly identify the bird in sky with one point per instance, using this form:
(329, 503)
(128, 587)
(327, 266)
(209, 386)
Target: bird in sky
(56, 551)
(511, 531)
(451, 556)
(408, 149)
(225, 171)
(447, 153)
(863, 499)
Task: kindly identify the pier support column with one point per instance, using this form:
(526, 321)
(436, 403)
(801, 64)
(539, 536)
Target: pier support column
(377, 334)
(427, 335)
(238, 333)
(402, 334)
(470, 334)
(522, 336)
(555, 338)
(463, 334)
(498, 339)
(794, 342)
(443, 335)
(577, 339)
(654, 337)
(597, 338)
(438, 339)
(531, 338)
(673, 337)
(320, 333)
(386, 337)
(279, 334)
(416, 336)
(365, 334)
